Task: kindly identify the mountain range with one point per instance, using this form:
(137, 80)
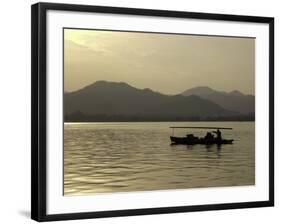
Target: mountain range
(233, 101)
(112, 101)
(118, 101)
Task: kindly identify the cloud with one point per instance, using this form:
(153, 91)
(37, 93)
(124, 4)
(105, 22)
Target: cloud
(158, 60)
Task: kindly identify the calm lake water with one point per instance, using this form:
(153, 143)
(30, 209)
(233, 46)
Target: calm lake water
(137, 156)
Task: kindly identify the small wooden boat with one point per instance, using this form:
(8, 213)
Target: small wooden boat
(190, 139)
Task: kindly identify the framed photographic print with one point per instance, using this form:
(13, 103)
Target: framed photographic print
(140, 111)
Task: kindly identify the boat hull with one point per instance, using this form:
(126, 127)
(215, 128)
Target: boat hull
(202, 141)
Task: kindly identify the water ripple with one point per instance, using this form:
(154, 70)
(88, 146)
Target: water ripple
(114, 157)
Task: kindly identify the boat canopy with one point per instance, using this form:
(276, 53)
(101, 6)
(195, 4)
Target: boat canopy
(203, 127)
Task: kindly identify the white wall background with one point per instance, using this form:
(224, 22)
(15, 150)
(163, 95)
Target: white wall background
(15, 110)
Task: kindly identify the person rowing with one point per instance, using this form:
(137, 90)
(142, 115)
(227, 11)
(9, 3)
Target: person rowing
(218, 133)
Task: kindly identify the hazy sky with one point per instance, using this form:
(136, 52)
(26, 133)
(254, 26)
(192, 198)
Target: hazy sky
(166, 63)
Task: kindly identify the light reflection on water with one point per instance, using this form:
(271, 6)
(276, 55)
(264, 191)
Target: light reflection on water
(137, 156)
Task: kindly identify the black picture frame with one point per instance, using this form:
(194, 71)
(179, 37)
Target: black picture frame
(39, 122)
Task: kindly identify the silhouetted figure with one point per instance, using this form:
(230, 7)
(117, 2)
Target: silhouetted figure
(209, 136)
(190, 136)
(218, 133)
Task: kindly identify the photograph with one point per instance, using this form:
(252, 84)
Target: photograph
(148, 111)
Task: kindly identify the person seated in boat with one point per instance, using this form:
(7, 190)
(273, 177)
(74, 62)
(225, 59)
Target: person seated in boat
(218, 133)
(191, 137)
(209, 136)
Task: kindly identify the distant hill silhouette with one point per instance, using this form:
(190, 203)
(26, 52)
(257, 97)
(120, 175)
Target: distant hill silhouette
(112, 101)
(234, 101)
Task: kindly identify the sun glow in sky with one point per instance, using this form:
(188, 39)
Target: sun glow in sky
(166, 63)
